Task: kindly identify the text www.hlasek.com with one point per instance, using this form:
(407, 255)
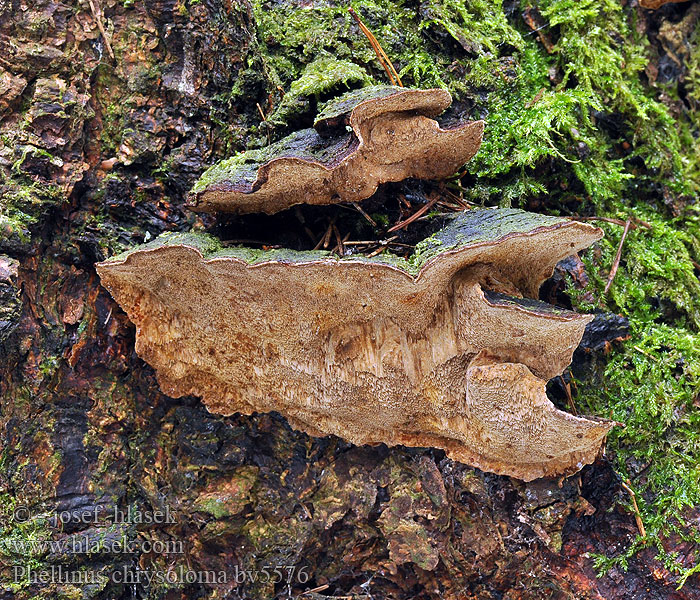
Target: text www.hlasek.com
(83, 544)
(115, 543)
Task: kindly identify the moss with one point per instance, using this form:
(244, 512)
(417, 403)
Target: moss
(22, 206)
(651, 384)
(22, 538)
(319, 78)
(291, 38)
(539, 106)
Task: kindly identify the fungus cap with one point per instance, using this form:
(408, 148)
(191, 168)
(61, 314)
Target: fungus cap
(361, 139)
(449, 348)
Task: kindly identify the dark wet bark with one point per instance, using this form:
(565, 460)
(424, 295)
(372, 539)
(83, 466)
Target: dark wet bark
(97, 154)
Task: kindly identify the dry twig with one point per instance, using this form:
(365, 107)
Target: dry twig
(619, 222)
(414, 217)
(569, 399)
(320, 588)
(338, 240)
(627, 486)
(325, 240)
(364, 214)
(378, 50)
(616, 262)
(378, 250)
(97, 15)
(645, 353)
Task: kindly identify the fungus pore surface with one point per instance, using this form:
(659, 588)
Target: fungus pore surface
(449, 348)
(361, 139)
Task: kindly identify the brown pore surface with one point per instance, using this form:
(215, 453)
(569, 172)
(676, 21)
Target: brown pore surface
(449, 357)
(389, 138)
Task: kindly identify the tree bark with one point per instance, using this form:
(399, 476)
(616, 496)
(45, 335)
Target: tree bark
(110, 110)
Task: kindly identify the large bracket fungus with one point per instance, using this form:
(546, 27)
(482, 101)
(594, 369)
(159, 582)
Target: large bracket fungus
(447, 349)
(364, 138)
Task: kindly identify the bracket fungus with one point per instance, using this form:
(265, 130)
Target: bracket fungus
(361, 139)
(448, 348)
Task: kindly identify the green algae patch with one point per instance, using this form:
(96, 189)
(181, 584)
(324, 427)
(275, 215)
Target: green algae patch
(206, 244)
(344, 104)
(254, 256)
(464, 230)
(478, 227)
(22, 206)
(229, 497)
(243, 168)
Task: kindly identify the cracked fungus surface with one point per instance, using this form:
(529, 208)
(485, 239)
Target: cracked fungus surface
(365, 137)
(447, 349)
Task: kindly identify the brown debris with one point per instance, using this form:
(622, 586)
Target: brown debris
(11, 86)
(634, 221)
(536, 23)
(627, 486)
(415, 216)
(97, 15)
(654, 4)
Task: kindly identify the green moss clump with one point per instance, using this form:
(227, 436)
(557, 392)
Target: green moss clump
(479, 26)
(539, 106)
(651, 383)
(23, 537)
(319, 78)
(22, 206)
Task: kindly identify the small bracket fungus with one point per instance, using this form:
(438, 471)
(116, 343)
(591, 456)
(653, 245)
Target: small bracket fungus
(363, 138)
(446, 349)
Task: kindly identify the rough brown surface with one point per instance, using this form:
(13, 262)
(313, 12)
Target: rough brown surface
(391, 137)
(370, 352)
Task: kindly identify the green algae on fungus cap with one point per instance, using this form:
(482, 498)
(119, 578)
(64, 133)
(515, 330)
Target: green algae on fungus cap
(448, 348)
(361, 139)
(373, 100)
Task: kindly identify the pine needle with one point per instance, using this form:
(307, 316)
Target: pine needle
(378, 50)
(616, 262)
